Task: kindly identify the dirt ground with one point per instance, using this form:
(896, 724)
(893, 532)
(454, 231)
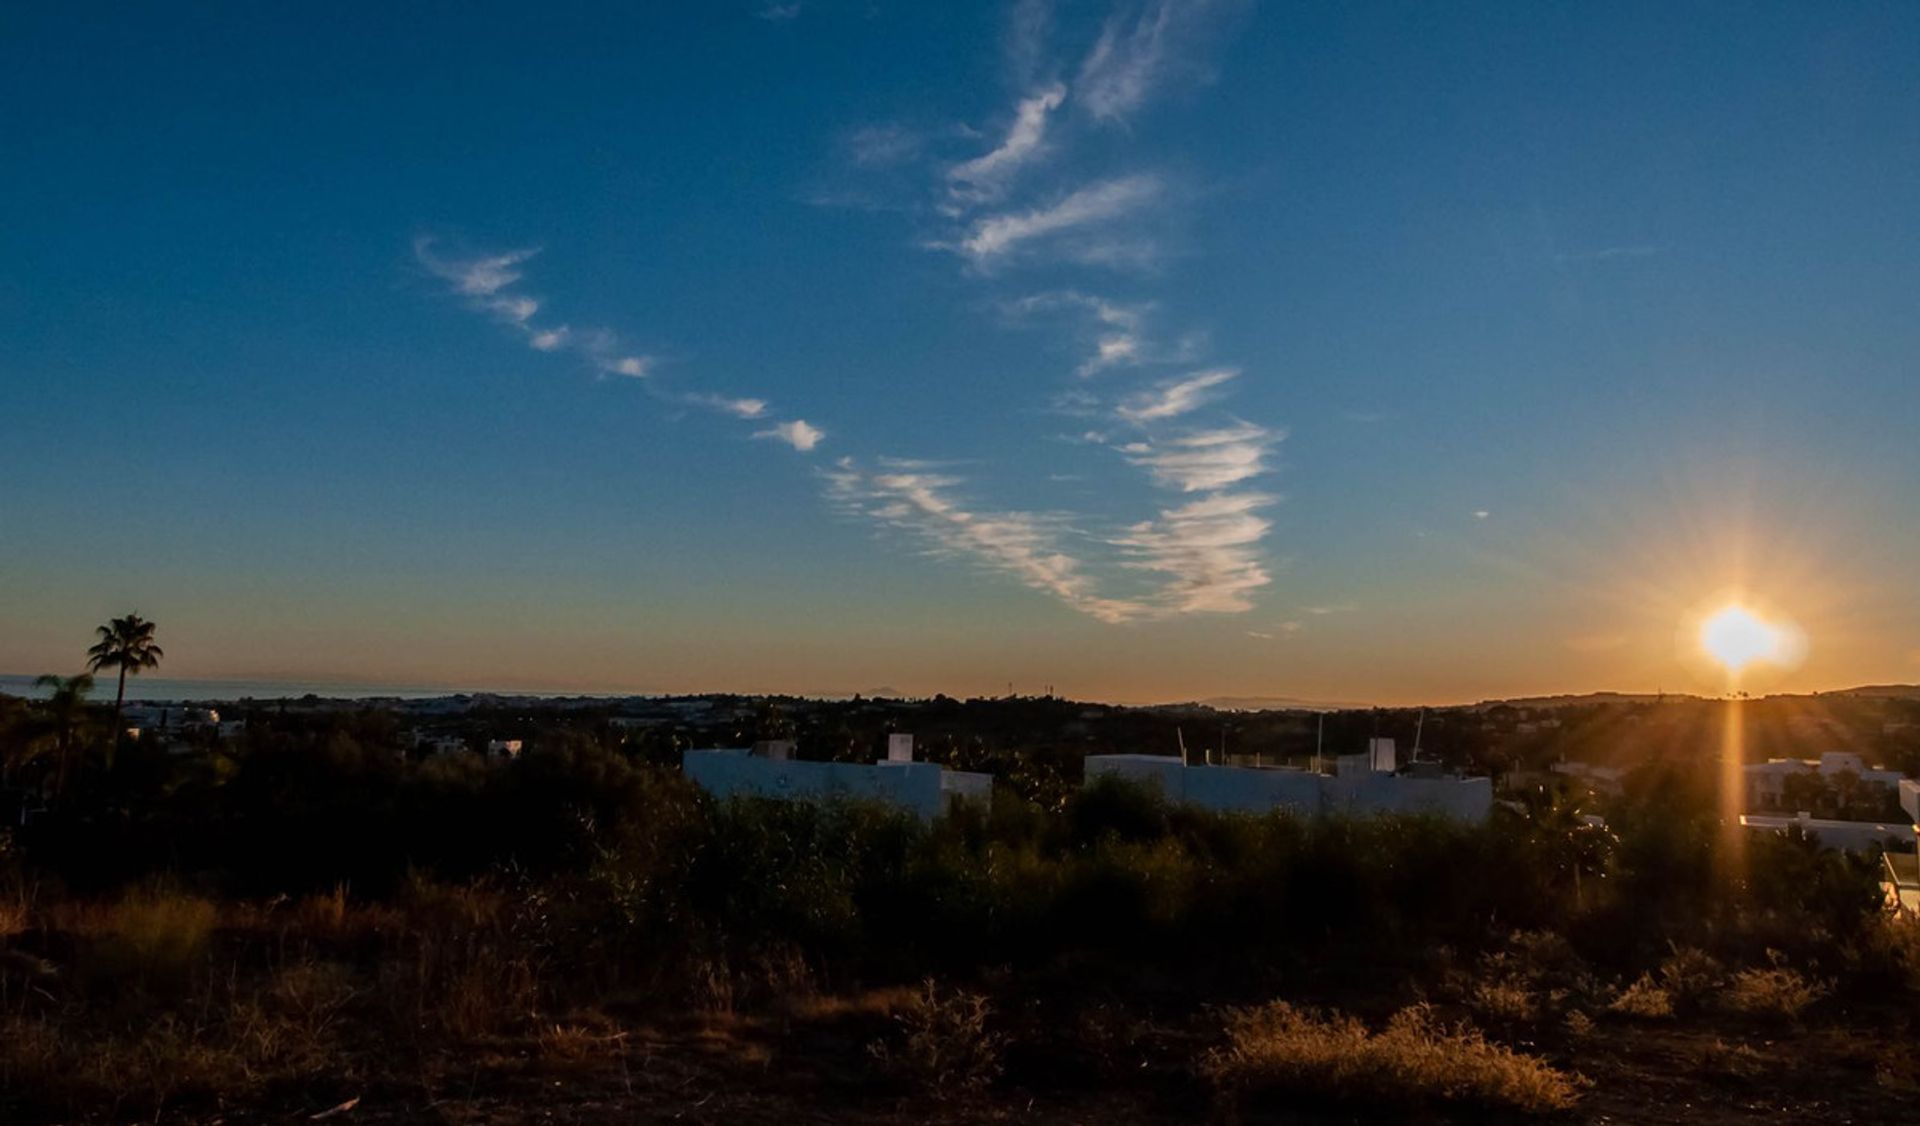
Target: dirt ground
(797, 1069)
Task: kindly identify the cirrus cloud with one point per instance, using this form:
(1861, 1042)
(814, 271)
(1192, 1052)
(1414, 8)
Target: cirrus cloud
(797, 433)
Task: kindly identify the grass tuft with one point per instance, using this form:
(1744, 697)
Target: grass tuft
(1415, 1061)
(1778, 990)
(944, 1047)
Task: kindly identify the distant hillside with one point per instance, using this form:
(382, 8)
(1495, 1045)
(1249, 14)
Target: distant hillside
(1881, 691)
(1588, 699)
(1272, 704)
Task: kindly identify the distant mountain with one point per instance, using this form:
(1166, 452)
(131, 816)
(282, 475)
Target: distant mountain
(1882, 691)
(1589, 698)
(1272, 704)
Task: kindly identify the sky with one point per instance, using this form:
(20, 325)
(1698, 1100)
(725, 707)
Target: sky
(1149, 350)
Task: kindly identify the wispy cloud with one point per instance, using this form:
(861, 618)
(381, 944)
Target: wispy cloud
(1120, 335)
(797, 433)
(738, 408)
(1324, 609)
(996, 236)
(1023, 545)
(883, 145)
(1210, 550)
(486, 281)
(480, 276)
(1175, 397)
(1136, 51)
(780, 13)
(985, 177)
(1205, 460)
(1029, 22)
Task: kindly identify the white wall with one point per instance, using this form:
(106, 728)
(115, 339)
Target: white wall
(1237, 789)
(965, 785)
(912, 786)
(1848, 836)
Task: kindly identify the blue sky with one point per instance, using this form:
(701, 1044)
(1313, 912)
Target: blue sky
(1148, 349)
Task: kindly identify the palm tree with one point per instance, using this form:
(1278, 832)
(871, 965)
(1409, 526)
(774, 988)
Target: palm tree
(125, 644)
(66, 707)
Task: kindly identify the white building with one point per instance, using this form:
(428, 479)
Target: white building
(1902, 880)
(769, 770)
(1766, 781)
(1363, 784)
(1599, 779)
(1847, 836)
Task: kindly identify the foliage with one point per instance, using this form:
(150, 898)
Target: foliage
(1643, 1000)
(1416, 1061)
(1773, 990)
(943, 1046)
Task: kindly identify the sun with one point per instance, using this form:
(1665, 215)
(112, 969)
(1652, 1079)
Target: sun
(1736, 637)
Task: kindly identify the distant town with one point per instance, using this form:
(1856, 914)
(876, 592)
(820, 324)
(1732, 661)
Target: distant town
(1839, 768)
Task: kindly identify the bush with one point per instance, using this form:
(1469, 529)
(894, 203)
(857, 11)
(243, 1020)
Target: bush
(1691, 976)
(1643, 1000)
(1416, 1061)
(944, 1047)
(160, 936)
(1777, 990)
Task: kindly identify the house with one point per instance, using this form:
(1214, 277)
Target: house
(1847, 836)
(1902, 879)
(769, 770)
(438, 744)
(1362, 784)
(1767, 782)
(1599, 779)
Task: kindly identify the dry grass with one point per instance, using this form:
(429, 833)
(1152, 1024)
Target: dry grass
(162, 933)
(1778, 990)
(470, 990)
(1734, 1063)
(867, 1004)
(1534, 976)
(1643, 1000)
(944, 1048)
(16, 914)
(1506, 1001)
(1276, 1049)
(1691, 977)
(576, 1044)
(1900, 943)
(221, 1043)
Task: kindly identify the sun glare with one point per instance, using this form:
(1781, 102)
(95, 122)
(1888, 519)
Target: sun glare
(1736, 637)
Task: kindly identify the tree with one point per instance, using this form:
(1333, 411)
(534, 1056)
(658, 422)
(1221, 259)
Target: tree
(125, 644)
(66, 711)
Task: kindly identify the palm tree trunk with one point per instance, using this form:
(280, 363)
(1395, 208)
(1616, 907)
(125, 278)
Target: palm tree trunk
(119, 700)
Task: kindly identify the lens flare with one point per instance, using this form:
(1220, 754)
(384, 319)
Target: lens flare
(1736, 637)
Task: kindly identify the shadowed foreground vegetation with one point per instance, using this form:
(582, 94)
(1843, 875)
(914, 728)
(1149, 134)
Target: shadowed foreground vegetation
(305, 921)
